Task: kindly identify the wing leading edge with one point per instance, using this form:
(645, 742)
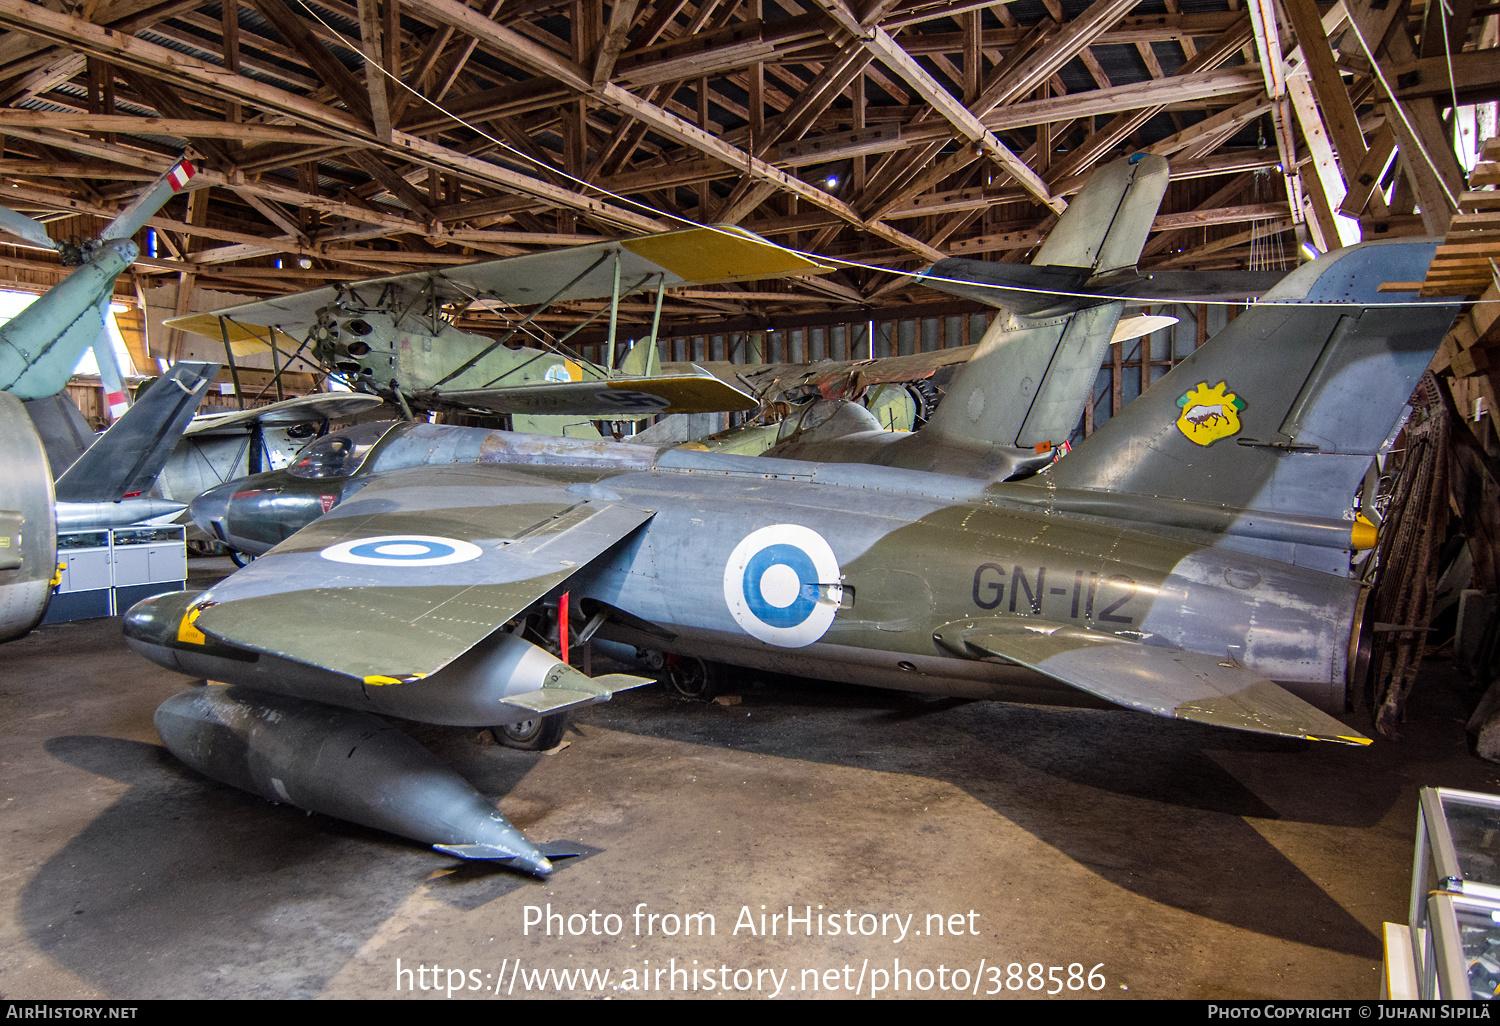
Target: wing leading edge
(1166, 682)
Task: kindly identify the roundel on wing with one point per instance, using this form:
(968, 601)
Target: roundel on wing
(782, 585)
(626, 399)
(403, 550)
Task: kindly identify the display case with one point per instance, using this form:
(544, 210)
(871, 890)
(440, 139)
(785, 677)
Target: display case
(105, 572)
(1454, 915)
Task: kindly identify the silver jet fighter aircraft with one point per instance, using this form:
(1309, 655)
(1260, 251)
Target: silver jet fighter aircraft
(1193, 563)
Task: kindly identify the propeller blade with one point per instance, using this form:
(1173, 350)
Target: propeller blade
(115, 396)
(26, 228)
(149, 202)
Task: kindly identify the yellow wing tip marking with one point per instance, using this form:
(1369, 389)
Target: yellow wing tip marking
(706, 255)
(378, 680)
(1347, 739)
(247, 339)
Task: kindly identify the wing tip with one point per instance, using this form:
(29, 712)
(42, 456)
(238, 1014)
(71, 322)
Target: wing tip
(1356, 739)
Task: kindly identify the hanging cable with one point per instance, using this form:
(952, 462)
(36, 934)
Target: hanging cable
(1401, 111)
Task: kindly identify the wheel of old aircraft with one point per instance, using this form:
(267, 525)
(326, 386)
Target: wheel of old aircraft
(534, 735)
(693, 678)
(240, 559)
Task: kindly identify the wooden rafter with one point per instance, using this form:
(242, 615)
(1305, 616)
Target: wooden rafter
(381, 134)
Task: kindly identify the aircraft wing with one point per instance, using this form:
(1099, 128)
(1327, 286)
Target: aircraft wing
(413, 571)
(1163, 681)
(303, 409)
(830, 377)
(621, 398)
(695, 256)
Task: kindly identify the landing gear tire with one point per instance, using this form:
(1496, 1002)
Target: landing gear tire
(694, 678)
(534, 735)
(240, 559)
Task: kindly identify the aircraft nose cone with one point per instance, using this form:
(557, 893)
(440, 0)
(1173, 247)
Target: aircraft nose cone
(210, 509)
(156, 620)
(539, 865)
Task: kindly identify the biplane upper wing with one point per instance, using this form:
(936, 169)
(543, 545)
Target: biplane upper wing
(694, 256)
(302, 409)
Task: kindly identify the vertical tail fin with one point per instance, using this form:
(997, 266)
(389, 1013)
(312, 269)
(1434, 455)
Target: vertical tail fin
(1105, 227)
(1283, 410)
(1030, 376)
(127, 457)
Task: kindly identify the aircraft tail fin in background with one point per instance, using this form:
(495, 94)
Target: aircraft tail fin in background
(1030, 376)
(1029, 379)
(1099, 236)
(1104, 229)
(64, 432)
(643, 360)
(127, 457)
(1284, 409)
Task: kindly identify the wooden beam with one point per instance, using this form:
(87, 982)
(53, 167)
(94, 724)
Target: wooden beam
(621, 17)
(179, 127)
(885, 48)
(1333, 105)
(370, 44)
(294, 30)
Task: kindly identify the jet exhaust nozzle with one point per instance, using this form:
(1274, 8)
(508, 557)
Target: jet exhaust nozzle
(346, 764)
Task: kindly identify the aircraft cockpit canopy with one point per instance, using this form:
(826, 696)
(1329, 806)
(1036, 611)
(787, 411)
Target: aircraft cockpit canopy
(339, 454)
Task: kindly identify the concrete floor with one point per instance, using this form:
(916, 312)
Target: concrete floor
(1191, 862)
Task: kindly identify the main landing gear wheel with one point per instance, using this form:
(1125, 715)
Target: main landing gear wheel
(240, 559)
(693, 678)
(534, 735)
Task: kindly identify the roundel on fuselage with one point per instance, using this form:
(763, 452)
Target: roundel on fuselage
(782, 585)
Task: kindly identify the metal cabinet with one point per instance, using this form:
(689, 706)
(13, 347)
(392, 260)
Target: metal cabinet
(106, 572)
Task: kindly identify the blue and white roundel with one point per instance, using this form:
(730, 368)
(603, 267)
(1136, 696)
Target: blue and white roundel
(782, 585)
(403, 550)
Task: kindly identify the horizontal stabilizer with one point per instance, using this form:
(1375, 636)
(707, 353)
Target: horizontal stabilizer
(1140, 324)
(619, 398)
(1192, 286)
(1032, 289)
(1021, 288)
(1162, 681)
(416, 569)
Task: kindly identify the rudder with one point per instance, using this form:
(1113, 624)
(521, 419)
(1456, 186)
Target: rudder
(1284, 409)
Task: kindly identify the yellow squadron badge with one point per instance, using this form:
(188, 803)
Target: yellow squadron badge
(1209, 414)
